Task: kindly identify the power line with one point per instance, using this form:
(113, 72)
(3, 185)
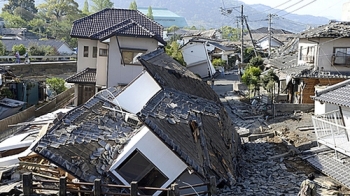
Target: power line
(289, 6)
(299, 8)
(277, 6)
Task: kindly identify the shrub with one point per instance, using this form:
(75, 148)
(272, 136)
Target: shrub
(20, 48)
(218, 62)
(56, 84)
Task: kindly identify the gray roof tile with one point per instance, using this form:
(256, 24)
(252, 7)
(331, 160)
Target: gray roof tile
(172, 125)
(337, 94)
(88, 75)
(112, 21)
(169, 73)
(331, 30)
(87, 139)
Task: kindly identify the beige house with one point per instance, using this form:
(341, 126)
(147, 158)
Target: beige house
(109, 43)
(326, 49)
(321, 59)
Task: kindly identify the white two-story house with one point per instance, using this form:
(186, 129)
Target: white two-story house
(323, 59)
(109, 43)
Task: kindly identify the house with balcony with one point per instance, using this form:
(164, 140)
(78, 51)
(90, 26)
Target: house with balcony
(109, 43)
(322, 59)
(332, 128)
(165, 126)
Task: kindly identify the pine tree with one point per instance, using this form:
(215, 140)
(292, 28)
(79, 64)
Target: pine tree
(85, 9)
(133, 5)
(150, 13)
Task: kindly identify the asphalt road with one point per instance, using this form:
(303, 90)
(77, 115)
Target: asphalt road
(224, 83)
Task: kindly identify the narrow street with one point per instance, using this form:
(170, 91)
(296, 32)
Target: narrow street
(271, 165)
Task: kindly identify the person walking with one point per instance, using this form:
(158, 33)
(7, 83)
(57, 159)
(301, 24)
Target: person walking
(17, 57)
(26, 58)
(308, 186)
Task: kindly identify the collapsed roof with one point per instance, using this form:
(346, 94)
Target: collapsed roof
(331, 30)
(186, 114)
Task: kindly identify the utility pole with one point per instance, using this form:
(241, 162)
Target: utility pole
(242, 40)
(251, 37)
(269, 29)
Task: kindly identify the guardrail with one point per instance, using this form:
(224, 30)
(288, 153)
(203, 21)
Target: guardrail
(39, 58)
(96, 188)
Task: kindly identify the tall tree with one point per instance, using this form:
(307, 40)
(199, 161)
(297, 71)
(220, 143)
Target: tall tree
(100, 5)
(150, 13)
(24, 14)
(60, 9)
(37, 26)
(28, 5)
(13, 21)
(173, 50)
(59, 15)
(133, 5)
(85, 9)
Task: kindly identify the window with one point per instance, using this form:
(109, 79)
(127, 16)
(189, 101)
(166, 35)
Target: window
(86, 51)
(130, 56)
(138, 168)
(94, 52)
(341, 56)
(307, 54)
(103, 52)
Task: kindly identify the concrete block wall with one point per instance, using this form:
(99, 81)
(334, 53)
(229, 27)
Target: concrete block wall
(289, 108)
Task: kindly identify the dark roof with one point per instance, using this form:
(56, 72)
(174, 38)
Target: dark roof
(221, 47)
(268, 37)
(88, 75)
(111, 22)
(170, 74)
(331, 30)
(12, 31)
(193, 101)
(54, 43)
(265, 30)
(287, 65)
(337, 94)
(282, 62)
(170, 115)
(87, 139)
(212, 42)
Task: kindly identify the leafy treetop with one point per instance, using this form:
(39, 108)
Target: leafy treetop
(150, 13)
(99, 5)
(133, 5)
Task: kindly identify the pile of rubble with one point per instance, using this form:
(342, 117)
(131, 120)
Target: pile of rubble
(265, 170)
(270, 163)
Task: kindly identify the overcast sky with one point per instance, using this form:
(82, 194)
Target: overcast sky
(331, 9)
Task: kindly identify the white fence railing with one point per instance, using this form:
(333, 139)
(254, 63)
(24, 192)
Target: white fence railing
(43, 58)
(330, 128)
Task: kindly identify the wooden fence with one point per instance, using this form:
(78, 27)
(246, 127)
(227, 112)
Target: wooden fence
(97, 187)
